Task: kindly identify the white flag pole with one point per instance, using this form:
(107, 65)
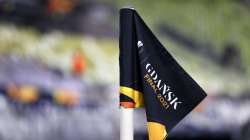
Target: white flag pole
(126, 124)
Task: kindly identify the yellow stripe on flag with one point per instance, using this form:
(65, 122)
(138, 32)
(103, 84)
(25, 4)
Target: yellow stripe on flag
(133, 94)
(156, 131)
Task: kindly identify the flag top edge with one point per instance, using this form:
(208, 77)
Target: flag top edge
(128, 8)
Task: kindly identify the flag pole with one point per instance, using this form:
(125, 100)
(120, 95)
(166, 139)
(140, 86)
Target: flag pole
(126, 124)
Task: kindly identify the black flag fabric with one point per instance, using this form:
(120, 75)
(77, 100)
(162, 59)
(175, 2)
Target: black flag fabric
(150, 77)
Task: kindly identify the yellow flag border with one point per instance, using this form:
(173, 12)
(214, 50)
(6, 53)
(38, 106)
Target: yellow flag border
(136, 95)
(156, 131)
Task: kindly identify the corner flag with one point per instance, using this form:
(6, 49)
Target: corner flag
(150, 77)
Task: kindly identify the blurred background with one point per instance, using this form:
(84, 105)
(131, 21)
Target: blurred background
(59, 74)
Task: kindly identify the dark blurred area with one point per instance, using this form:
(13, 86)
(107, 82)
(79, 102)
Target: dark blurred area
(59, 74)
(76, 16)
